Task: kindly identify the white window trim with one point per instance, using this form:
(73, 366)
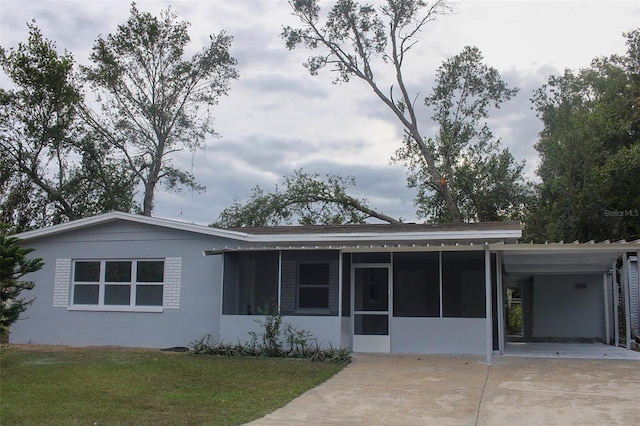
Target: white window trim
(115, 308)
(132, 307)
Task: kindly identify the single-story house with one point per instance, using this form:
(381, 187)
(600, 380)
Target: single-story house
(130, 280)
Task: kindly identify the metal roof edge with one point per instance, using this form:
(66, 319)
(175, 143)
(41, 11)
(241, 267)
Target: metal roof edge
(88, 222)
(560, 246)
(494, 246)
(392, 236)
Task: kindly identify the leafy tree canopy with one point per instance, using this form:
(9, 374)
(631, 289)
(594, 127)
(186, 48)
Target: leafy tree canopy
(155, 101)
(590, 151)
(306, 199)
(53, 168)
(359, 41)
(485, 180)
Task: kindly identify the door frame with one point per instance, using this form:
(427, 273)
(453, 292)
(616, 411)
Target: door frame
(372, 343)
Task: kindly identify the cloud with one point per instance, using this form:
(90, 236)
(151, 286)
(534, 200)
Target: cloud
(277, 118)
(283, 85)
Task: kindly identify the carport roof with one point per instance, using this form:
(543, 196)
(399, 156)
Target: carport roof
(529, 259)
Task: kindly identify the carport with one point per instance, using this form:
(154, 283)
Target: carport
(575, 294)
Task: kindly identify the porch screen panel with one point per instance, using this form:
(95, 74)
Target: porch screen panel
(463, 284)
(416, 285)
(230, 284)
(250, 282)
(371, 325)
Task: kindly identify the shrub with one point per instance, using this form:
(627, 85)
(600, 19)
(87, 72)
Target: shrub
(270, 342)
(14, 264)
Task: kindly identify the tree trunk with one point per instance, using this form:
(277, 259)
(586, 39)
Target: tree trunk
(373, 213)
(154, 175)
(149, 190)
(411, 127)
(436, 179)
(147, 203)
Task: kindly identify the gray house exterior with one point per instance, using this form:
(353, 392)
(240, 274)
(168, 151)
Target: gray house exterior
(129, 280)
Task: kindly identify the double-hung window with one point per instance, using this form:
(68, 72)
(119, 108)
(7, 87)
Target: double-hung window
(118, 283)
(313, 286)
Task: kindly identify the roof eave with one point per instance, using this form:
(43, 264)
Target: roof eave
(378, 241)
(87, 222)
(475, 235)
(567, 248)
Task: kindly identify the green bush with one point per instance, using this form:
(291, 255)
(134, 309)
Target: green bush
(276, 339)
(514, 319)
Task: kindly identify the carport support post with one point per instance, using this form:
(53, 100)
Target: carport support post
(607, 331)
(340, 284)
(487, 277)
(616, 303)
(627, 301)
(500, 302)
(279, 280)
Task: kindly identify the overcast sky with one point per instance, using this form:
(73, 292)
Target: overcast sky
(278, 118)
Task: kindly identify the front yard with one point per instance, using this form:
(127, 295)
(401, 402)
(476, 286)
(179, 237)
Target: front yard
(107, 386)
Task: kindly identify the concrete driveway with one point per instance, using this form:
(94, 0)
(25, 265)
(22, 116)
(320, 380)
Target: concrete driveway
(463, 390)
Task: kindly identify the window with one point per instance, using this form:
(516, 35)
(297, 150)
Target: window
(313, 286)
(310, 282)
(118, 283)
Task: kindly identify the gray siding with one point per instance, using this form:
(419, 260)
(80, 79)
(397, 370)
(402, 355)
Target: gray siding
(325, 330)
(568, 306)
(438, 335)
(50, 322)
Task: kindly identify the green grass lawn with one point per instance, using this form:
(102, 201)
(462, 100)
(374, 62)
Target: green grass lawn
(109, 386)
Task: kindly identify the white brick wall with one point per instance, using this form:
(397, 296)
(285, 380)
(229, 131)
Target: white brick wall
(61, 283)
(172, 280)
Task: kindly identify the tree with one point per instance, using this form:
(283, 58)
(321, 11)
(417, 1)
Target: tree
(484, 179)
(52, 168)
(353, 40)
(590, 151)
(154, 101)
(14, 264)
(18, 203)
(303, 198)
